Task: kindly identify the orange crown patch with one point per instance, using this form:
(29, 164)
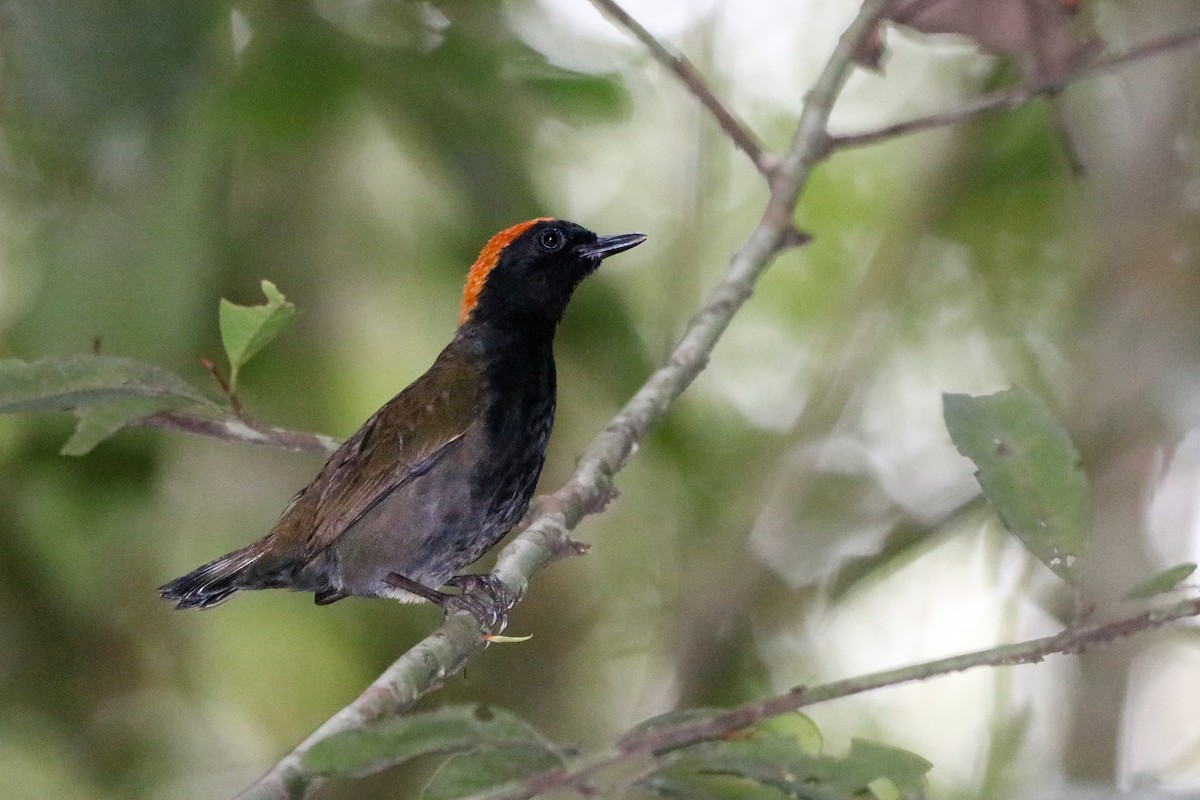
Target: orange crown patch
(483, 266)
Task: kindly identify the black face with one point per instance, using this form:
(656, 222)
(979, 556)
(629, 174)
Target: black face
(537, 272)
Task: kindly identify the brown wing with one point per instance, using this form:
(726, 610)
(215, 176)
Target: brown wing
(403, 438)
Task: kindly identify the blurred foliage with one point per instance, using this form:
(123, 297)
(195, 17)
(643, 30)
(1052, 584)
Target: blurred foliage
(155, 158)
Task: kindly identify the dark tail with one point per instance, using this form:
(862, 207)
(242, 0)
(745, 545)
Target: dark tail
(213, 583)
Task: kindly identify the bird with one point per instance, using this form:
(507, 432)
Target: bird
(446, 468)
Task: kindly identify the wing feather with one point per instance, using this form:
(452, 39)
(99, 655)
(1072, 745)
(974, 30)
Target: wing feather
(404, 438)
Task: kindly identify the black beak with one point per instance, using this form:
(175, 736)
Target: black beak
(610, 245)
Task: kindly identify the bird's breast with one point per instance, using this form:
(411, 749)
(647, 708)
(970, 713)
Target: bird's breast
(517, 417)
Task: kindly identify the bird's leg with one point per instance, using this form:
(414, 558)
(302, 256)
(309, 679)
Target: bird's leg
(398, 581)
(486, 597)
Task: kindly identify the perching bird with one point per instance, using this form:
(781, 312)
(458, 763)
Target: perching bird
(446, 468)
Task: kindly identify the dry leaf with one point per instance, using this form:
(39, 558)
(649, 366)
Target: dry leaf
(1042, 33)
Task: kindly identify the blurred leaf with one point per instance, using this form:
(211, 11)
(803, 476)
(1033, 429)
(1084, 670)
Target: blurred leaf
(778, 763)
(393, 741)
(1028, 469)
(295, 75)
(105, 392)
(671, 718)
(488, 766)
(701, 786)
(1164, 581)
(578, 96)
(885, 789)
(247, 329)
(1042, 30)
(869, 761)
(1010, 730)
(907, 539)
(904, 541)
(797, 727)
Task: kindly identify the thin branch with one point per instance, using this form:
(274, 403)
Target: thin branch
(423, 668)
(686, 71)
(1018, 95)
(239, 429)
(655, 741)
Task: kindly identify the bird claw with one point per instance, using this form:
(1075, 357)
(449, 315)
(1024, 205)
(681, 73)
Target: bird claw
(485, 597)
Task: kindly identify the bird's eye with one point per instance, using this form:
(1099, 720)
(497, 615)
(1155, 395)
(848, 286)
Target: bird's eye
(550, 239)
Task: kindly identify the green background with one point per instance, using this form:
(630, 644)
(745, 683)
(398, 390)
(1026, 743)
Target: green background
(793, 519)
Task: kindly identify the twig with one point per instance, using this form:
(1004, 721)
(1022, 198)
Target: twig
(239, 429)
(447, 649)
(1018, 95)
(655, 741)
(686, 71)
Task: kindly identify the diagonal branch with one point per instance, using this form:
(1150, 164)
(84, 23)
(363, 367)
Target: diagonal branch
(239, 429)
(1018, 95)
(648, 742)
(686, 71)
(444, 652)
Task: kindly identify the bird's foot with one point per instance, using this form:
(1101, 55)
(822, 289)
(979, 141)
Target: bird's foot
(485, 597)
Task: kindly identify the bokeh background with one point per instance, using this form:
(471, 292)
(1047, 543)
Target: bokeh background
(801, 514)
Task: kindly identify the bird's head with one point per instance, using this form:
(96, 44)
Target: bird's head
(525, 274)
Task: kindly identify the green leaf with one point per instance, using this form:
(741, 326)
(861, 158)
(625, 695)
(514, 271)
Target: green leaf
(247, 329)
(869, 761)
(98, 423)
(581, 97)
(904, 542)
(795, 726)
(65, 383)
(1006, 743)
(885, 789)
(390, 742)
(1029, 471)
(1164, 581)
(670, 719)
(776, 763)
(486, 767)
(713, 786)
(105, 392)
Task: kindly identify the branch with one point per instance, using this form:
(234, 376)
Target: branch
(239, 429)
(686, 71)
(440, 655)
(655, 741)
(1018, 95)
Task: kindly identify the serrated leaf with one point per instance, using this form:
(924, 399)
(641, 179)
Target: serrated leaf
(107, 393)
(1028, 469)
(390, 742)
(247, 329)
(486, 767)
(1164, 581)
